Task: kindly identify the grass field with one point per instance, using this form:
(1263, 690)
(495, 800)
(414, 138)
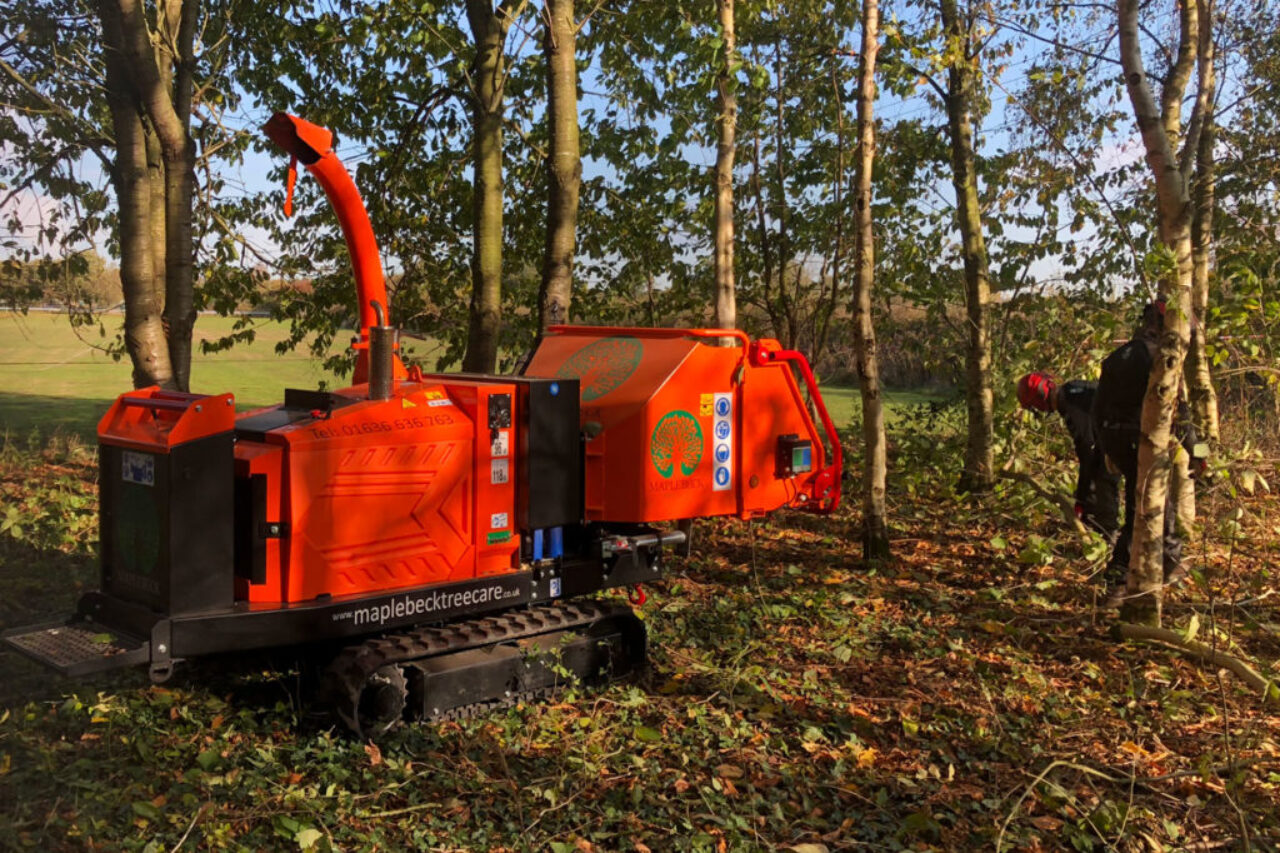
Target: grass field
(56, 378)
(53, 378)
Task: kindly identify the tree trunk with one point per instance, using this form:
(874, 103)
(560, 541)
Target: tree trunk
(156, 227)
(162, 83)
(1157, 450)
(822, 318)
(762, 234)
(875, 535)
(786, 305)
(564, 171)
(1200, 391)
(144, 300)
(180, 179)
(979, 461)
(488, 77)
(726, 316)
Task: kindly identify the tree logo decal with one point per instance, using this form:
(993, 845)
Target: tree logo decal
(676, 443)
(603, 365)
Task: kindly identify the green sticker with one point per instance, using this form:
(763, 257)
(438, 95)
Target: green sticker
(602, 365)
(676, 443)
(137, 530)
(499, 536)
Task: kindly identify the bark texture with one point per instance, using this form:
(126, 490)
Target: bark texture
(564, 169)
(488, 78)
(979, 461)
(726, 316)
(1200, 391)
(1160, 126)
(134, 85)
(161, 70)
(875, 533)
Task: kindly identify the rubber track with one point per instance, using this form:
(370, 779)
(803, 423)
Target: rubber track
(345, 677)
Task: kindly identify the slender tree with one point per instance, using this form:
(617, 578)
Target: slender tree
(1200, 391)
(727, 123)
(962, 73)
(875, 535)
(489, 27)
(564, 166)
(1161, 128)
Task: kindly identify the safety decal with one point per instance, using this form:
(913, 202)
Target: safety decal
(706, 405)
(406, 403)
(602, 365)
(676, 444)
(499, 472)
(498, 538)
(138, 468)
(501, 445)
(722, 472)
(498, 521)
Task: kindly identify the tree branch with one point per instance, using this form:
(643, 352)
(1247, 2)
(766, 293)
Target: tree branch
(1205, 654)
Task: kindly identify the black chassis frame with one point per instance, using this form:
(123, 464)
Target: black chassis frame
(162, 641)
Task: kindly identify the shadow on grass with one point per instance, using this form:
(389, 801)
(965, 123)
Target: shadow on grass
(39, 586)
(21, 415)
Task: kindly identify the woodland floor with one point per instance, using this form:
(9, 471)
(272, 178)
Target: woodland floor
(966, 696)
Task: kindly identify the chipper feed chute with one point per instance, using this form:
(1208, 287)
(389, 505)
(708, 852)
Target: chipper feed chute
(677, 426)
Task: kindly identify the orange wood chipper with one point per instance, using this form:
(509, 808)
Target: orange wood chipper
(433, 533)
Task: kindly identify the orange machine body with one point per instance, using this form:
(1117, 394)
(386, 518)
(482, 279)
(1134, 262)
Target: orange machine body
(154, 420)
(679, 427)
(379, 495)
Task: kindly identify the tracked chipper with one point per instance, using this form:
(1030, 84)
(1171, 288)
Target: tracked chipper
(433, 533)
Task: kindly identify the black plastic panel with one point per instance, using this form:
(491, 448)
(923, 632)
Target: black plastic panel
(550, 486)
(166, 525)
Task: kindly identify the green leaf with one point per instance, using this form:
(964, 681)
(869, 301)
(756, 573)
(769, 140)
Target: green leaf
(647, 734)
(1193, 628)
(143, 808)
(308, 837)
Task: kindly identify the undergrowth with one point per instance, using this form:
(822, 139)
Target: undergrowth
(964, 695)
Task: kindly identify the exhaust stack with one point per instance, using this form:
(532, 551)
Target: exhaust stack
(382, 345)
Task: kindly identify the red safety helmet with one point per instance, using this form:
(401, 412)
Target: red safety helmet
(1035, 391)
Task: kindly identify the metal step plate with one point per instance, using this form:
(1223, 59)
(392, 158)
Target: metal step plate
(77, 649)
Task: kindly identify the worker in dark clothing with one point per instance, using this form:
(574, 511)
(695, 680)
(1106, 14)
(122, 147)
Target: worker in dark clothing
(1117, 415)
(1097, 490)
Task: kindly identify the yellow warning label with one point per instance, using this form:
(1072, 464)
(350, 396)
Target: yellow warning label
(707, 405)
(435, 395)
(406, 403)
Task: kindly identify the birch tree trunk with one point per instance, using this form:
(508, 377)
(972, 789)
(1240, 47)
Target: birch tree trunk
(564, 169)
(1200, 392)
(875, 535)
(488, 76)
(1158, 447)
(979, 463)
(726, 316)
